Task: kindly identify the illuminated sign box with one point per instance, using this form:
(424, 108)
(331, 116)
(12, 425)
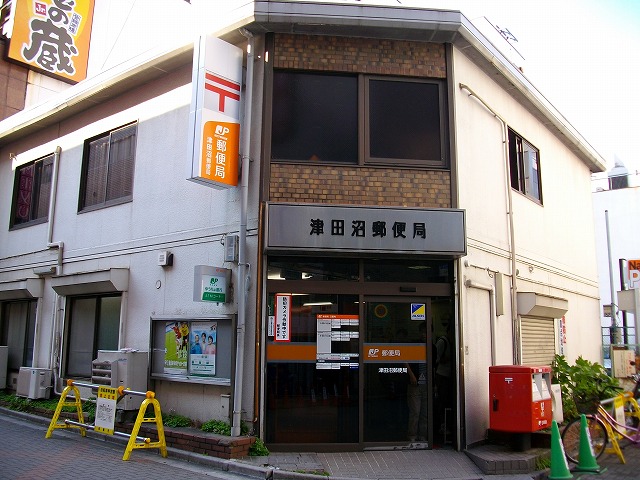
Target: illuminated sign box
(211, 284)
(52, 36)
(214, 118)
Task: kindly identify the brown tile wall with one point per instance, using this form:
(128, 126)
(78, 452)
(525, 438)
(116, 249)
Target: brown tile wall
(359, 186)
(13, 88)
(350, 184)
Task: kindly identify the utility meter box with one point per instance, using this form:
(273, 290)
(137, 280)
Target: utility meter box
(520, 398)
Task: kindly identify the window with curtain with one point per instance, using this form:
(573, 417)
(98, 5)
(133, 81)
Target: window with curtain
(108, 165)
(32, 191)
(524, 163)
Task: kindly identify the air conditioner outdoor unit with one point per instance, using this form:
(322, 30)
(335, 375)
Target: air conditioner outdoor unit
(122, 368)
(34, 383)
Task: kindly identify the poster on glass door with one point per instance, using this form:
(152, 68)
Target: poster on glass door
(334, 348)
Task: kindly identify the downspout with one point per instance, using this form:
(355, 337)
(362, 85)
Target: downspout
(51, 244)
(514, 287)
(243, 267)
(492, 313)
(52, 210)
(53, 342)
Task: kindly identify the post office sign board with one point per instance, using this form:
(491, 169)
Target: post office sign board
(214, 118)
(355, 229)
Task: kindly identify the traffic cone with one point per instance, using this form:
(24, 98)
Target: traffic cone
(586, 458)
(559, 465)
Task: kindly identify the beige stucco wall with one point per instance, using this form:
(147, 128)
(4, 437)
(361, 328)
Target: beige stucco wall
(554, 242)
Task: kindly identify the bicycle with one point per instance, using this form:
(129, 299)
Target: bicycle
(605, 427)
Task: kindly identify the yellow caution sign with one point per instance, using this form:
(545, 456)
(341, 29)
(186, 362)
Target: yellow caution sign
(106, 410)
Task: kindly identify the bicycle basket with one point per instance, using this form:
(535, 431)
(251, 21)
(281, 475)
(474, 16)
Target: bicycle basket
(586, 405)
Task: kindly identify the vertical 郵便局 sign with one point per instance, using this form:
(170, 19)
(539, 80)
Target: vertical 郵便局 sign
(283, 318)
(214, 118)
(52, 36)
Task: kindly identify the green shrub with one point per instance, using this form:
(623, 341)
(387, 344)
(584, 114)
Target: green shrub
(258, 449)
(585, 382)
(175, 420)
(222, 428)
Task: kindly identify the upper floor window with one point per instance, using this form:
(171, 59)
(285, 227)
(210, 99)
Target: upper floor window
(524, 162)
(358, 119)
(32, 191)
(107, 168)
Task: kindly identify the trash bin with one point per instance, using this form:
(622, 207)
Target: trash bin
(520, 398)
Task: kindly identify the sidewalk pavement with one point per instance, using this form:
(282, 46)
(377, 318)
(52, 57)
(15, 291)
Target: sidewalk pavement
(400, 464)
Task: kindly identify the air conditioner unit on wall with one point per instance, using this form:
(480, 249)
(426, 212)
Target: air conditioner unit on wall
(34, 383)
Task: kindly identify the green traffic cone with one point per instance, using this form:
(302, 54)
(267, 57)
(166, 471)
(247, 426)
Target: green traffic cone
(559, 465)
(586, 458)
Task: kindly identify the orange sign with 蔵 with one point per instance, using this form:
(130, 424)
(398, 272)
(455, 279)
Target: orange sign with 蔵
(53, 36)
(219, 162)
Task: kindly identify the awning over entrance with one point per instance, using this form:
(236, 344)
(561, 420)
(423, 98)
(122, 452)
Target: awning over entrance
(103, 281)
(539, 305)
(21, 289)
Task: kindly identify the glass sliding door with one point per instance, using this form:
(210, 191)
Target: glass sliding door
(398, 383)
(312, 390)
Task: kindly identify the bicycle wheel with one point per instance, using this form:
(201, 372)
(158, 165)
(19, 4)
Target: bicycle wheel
(571, 437)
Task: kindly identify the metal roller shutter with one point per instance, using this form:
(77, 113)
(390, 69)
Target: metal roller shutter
(538, 340)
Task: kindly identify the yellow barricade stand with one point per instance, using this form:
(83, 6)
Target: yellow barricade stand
(135, 442)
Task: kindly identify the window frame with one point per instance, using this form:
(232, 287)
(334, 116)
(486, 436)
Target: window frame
(366, 127)
(28, 329)
(96, 320)
(39, 165)
(364, 159)
(519, 165)
(86, 157)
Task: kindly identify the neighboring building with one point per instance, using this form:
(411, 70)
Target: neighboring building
(402, 180)
(616, 205)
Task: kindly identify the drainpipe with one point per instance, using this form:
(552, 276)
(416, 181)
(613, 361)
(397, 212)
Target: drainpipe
(243, 266)
(52, 210)
(517, 354)
(50, 244)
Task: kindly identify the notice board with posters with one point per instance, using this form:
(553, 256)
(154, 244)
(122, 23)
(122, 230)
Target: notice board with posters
(193, 349)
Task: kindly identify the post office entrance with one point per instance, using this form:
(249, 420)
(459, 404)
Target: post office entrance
(349, 363)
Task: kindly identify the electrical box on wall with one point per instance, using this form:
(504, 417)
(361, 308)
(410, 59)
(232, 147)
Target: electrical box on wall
(165, 259)
(231, 248)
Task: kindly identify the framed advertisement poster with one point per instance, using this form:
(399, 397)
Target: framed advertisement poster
(204, 339)
(176, 347)
(193, 349)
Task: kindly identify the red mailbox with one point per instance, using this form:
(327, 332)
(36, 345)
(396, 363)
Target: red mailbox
(520, 398)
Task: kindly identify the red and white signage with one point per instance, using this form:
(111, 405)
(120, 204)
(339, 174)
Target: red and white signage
(283, 318)
(214, 122)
